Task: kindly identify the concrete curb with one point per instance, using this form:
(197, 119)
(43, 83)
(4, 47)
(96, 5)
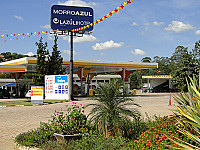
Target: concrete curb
(19, 147)
(32, 105)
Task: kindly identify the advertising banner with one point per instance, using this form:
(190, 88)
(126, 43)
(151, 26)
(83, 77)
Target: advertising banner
(56, 87)
(71, 17)
(37, 94)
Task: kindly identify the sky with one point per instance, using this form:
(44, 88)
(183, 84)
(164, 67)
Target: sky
(144, 28)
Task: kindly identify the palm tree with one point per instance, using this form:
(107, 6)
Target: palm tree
(111, 109)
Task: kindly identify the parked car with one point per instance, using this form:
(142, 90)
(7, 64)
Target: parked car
(4, 93)
(28, 94)
(145, 89)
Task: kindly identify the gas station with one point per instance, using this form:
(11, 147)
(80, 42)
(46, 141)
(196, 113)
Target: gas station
(85, 72)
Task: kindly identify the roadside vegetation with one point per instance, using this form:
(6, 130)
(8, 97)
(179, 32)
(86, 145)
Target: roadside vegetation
(111, 125)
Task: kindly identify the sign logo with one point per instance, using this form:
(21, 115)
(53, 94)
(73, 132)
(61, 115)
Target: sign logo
(55, 20)
(61, 79)
(70, 17)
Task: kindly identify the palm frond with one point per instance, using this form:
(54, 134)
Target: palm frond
(111, 107)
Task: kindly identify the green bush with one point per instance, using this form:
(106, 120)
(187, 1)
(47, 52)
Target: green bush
(36, 137)
(99, 142)
(132, 129)
(72, 121)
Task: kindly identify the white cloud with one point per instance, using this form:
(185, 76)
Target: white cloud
(107, 45)
(77, 3)
(18, 17)
(138, 52)
(103, 54)
(155, 23)
(146, 24)
(178, 27)
(68, 52)
(30, 54)
(197, 32)
(134, 24)
(84, 38)
(47, 26)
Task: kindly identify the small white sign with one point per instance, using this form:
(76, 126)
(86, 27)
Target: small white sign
(37, 94)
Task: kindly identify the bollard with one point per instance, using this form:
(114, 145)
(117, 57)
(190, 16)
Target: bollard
(170, 101)
(134, 91)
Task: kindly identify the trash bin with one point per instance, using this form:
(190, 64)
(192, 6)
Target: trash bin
(134, 91)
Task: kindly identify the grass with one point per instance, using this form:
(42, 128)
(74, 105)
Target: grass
(28, 102)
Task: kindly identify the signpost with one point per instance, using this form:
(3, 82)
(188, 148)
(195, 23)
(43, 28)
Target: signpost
(37, 94)
(57, 87)
(70, 17)
(67, 18)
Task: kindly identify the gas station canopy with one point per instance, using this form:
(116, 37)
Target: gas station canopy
(28, 64)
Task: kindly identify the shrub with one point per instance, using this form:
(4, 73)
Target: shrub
(132, 129)
(156, 136)
(72, 121)
(99, 142)
(36, 137)
(188, 114)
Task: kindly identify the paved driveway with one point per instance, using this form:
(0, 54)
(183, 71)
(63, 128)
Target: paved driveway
(16, 120)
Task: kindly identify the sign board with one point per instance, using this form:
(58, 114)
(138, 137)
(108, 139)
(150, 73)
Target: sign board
(57, 87)
(37, 94)
(157, 77)
(71, 17)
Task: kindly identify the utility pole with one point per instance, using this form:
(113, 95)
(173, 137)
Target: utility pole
(71, 66)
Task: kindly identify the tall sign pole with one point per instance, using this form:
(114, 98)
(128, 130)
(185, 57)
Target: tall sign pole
(71, 66)
(66, 18)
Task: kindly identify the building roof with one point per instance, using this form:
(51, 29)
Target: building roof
(27, 64)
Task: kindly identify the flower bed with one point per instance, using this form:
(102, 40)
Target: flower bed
(71, 121)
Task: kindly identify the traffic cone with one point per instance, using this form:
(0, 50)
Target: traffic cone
(170, 101)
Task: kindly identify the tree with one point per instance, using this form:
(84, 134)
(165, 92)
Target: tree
(47, 64)
(163, 65)
(135, 80)
(42, 66)
(177, 55)
(56, 60)
(110, 110)
(183, 66)
(146, 59)
(10, 56)
(196, 53)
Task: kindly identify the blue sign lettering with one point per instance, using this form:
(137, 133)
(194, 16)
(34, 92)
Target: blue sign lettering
(70, 17)
(61, 79)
